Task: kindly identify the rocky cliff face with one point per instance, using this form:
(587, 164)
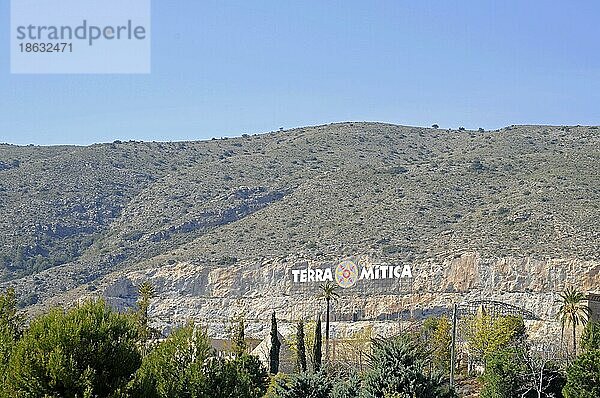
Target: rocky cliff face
(210, 295)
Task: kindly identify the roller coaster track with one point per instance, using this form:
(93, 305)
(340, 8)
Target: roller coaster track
(494, 308)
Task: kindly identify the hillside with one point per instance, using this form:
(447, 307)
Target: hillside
(71, 215)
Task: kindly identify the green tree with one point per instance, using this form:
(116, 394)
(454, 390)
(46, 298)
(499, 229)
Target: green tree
(242, 377)
(300, 347)
(86, 351)
(309, 338)
(523, 370)
(347, 386)
(583, 376)
(437, 336)
(7, 342)
(9, 317)
(182, 367)
(174, 367)
(397, 369)
(10, 326)
(328, 293)
(145, 294)
(487, 334)
(501, 378)
(275, 347)
(572, 312)
(238, 337)
(590, 340)
(304, 385)
(251, 369)
(317, 346)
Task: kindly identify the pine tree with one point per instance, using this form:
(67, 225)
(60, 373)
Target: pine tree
(275, 347)
(88, 349)
(10, 327)
(9, 319)
(317, 349)
(300, 347)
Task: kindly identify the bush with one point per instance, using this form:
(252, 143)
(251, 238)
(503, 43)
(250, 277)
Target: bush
(9, 332)
(519, 371)
(174, 367)
(182, 366)
(501, 376)
(437, 337)
(243, 377)
(87, 351)
(583, 376)
(304, 385)
(590, 340)
(346, 388)
(397, 367)
(477, 166)
(7, 343)
(487, 334)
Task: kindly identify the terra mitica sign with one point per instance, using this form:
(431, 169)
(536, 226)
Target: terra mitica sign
(347, 273)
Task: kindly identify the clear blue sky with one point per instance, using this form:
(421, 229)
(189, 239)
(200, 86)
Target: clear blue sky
(222, 68)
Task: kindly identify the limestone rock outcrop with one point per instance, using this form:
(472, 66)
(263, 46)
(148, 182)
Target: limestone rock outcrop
(210, 295)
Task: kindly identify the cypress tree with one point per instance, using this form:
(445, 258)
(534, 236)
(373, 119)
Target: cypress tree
(275, 346)
(239, 345)
(300, 346)
(317, 353)
(145, 294)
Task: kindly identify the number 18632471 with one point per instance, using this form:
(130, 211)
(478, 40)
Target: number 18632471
(46, 47)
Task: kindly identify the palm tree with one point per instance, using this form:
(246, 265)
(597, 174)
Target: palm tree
(572, 312)
(328, 292)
